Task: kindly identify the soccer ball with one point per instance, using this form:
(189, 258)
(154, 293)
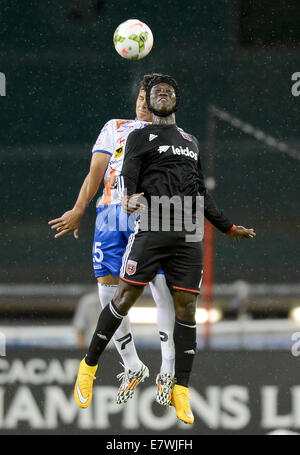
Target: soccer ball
(133, 39)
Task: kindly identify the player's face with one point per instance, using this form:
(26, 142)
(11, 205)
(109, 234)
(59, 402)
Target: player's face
(141, 108)
(163, 97)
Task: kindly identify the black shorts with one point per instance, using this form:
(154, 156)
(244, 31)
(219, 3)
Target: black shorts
(180, 260)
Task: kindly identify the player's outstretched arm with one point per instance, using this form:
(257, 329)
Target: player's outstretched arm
(240, 232)
(70, 220)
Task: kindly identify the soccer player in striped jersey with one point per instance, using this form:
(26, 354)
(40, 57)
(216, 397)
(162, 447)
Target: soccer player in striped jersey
(112, 230)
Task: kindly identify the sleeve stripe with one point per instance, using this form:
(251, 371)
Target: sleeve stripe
(120, 185)
(102, 151)
(232, 229)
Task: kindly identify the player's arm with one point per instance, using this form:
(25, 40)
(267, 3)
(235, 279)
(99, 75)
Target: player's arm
(102, 152)
(70, 220)
(129, 177)
(216, 216)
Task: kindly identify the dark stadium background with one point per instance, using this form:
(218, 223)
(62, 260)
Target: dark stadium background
(64, 80)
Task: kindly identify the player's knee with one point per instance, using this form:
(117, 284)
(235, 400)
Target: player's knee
(186, 309)
(122, 301)
(125, 297)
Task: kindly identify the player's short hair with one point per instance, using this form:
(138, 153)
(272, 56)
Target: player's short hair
(148, 78)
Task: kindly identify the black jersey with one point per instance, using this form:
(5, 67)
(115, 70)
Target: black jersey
(163, 160)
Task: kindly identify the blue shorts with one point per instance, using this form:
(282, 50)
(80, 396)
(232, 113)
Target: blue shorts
(112, 229)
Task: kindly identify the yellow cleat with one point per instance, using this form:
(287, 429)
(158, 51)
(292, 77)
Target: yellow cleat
(83, 390)
(180, 401)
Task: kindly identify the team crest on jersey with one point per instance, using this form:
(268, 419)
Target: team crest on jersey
(131, 267)
(118, 152)
(185, 135)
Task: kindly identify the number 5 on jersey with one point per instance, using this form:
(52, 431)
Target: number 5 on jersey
(98, 254)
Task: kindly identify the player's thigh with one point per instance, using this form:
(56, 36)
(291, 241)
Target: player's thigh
(141, 259)
(109, 280)
(110, 240)
(184, 267)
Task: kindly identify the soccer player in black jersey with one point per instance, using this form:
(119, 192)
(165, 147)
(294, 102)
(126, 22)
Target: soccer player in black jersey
(162, 161)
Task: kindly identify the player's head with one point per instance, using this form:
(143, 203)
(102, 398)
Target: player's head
(162, 95)
(147, 79)
(141, 108)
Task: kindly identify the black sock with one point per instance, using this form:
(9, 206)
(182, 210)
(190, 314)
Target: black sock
(185, 349)
(108, 322)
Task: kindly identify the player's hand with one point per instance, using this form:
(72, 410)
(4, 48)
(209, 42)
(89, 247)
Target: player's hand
(113, 182)
(130, 204)
(68, 222)
(242, 233)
